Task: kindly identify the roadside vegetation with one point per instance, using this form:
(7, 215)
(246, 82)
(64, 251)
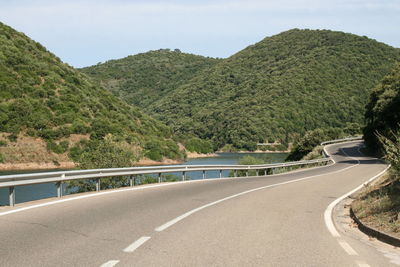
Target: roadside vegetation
(308, 147)
(249, 160)
(378, 205)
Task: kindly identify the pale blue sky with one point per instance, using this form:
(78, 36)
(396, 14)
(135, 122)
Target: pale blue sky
(83, 33)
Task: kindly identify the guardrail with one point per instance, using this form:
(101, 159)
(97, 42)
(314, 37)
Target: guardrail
(12, 181)
(348, 139)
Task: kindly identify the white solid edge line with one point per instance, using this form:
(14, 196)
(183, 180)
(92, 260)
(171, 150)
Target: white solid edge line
(187, 214)
(328, 212)
(96, 194)
(90, 194)
(110, 263)
(132, 247)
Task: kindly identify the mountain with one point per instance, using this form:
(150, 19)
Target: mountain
(279, 88)
(145, 78)
(44, 102)
(383, 113)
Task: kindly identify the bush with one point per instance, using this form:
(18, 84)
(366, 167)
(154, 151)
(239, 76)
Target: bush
(101, 154)
(391, 147)
(2, 158)
(249, 160)
(12, 137)
(198, 145)
(157, 150)
(3, 143)
(95, 154)
(314, 138)
(229, 148)
(60, 148)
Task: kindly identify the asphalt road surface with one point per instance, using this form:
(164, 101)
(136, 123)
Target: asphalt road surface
(258, 221)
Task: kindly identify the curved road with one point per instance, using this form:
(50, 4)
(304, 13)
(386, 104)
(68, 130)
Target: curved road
(259, 221)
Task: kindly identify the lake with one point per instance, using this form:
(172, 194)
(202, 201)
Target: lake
(40, 191)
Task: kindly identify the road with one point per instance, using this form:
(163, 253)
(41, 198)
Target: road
(259, 221)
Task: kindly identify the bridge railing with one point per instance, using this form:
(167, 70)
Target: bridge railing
(60, 177)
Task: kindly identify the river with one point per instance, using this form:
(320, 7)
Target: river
(40, 191)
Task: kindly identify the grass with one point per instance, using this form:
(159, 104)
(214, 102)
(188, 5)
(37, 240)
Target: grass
(378, 205)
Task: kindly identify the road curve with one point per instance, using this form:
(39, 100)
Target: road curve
(259, 221)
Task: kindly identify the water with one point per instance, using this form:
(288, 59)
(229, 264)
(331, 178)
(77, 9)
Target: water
(230, 159)
(40, 191)
(26, 193)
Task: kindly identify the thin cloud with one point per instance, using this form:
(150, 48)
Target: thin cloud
(85, 32)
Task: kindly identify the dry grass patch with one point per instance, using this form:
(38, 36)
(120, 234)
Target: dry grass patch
(28, 149)
(378, 205)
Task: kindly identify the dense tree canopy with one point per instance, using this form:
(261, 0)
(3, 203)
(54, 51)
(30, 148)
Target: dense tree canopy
(277, 89)
(383, 111)
(145, 78)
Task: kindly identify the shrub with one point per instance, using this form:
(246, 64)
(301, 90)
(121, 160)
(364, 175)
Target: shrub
(198, 145)
(12, 137)
(314, 138)
(94, 154)
(249, 160)
(391, 146)
(60, 148)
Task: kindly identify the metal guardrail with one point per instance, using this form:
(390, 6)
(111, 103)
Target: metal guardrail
(12, 181)
(355, 138)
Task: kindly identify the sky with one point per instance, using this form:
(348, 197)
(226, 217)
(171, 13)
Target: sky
(86, 32)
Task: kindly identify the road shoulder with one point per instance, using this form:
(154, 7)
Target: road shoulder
(366, 246)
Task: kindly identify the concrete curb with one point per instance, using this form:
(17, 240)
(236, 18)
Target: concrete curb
(386, 238)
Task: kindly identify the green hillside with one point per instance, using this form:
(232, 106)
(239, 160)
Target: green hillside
(279, 88)
(43, 99)
(144, 78)
(383, 111)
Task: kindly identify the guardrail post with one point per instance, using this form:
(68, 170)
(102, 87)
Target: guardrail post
(183, 176)
(265, 172)
(98, 184)
(131, 181)
(159, 177)
(59, 189)
(247, 173)
(220, 173)
(235, 173)
(204, 174)
(11, 195)
(257, 172)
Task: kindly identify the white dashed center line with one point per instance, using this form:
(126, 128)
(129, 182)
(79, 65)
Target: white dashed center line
(132, 247)
(110, 263)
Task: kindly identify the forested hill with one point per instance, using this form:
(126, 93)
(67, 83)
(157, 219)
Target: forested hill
(281, 87)
(144, 78)
(43, 100)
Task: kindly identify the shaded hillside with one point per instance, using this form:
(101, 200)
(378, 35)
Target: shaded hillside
(144, 78)
(383, 111)
(378, 204)
(279, 88)
(41, 97)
